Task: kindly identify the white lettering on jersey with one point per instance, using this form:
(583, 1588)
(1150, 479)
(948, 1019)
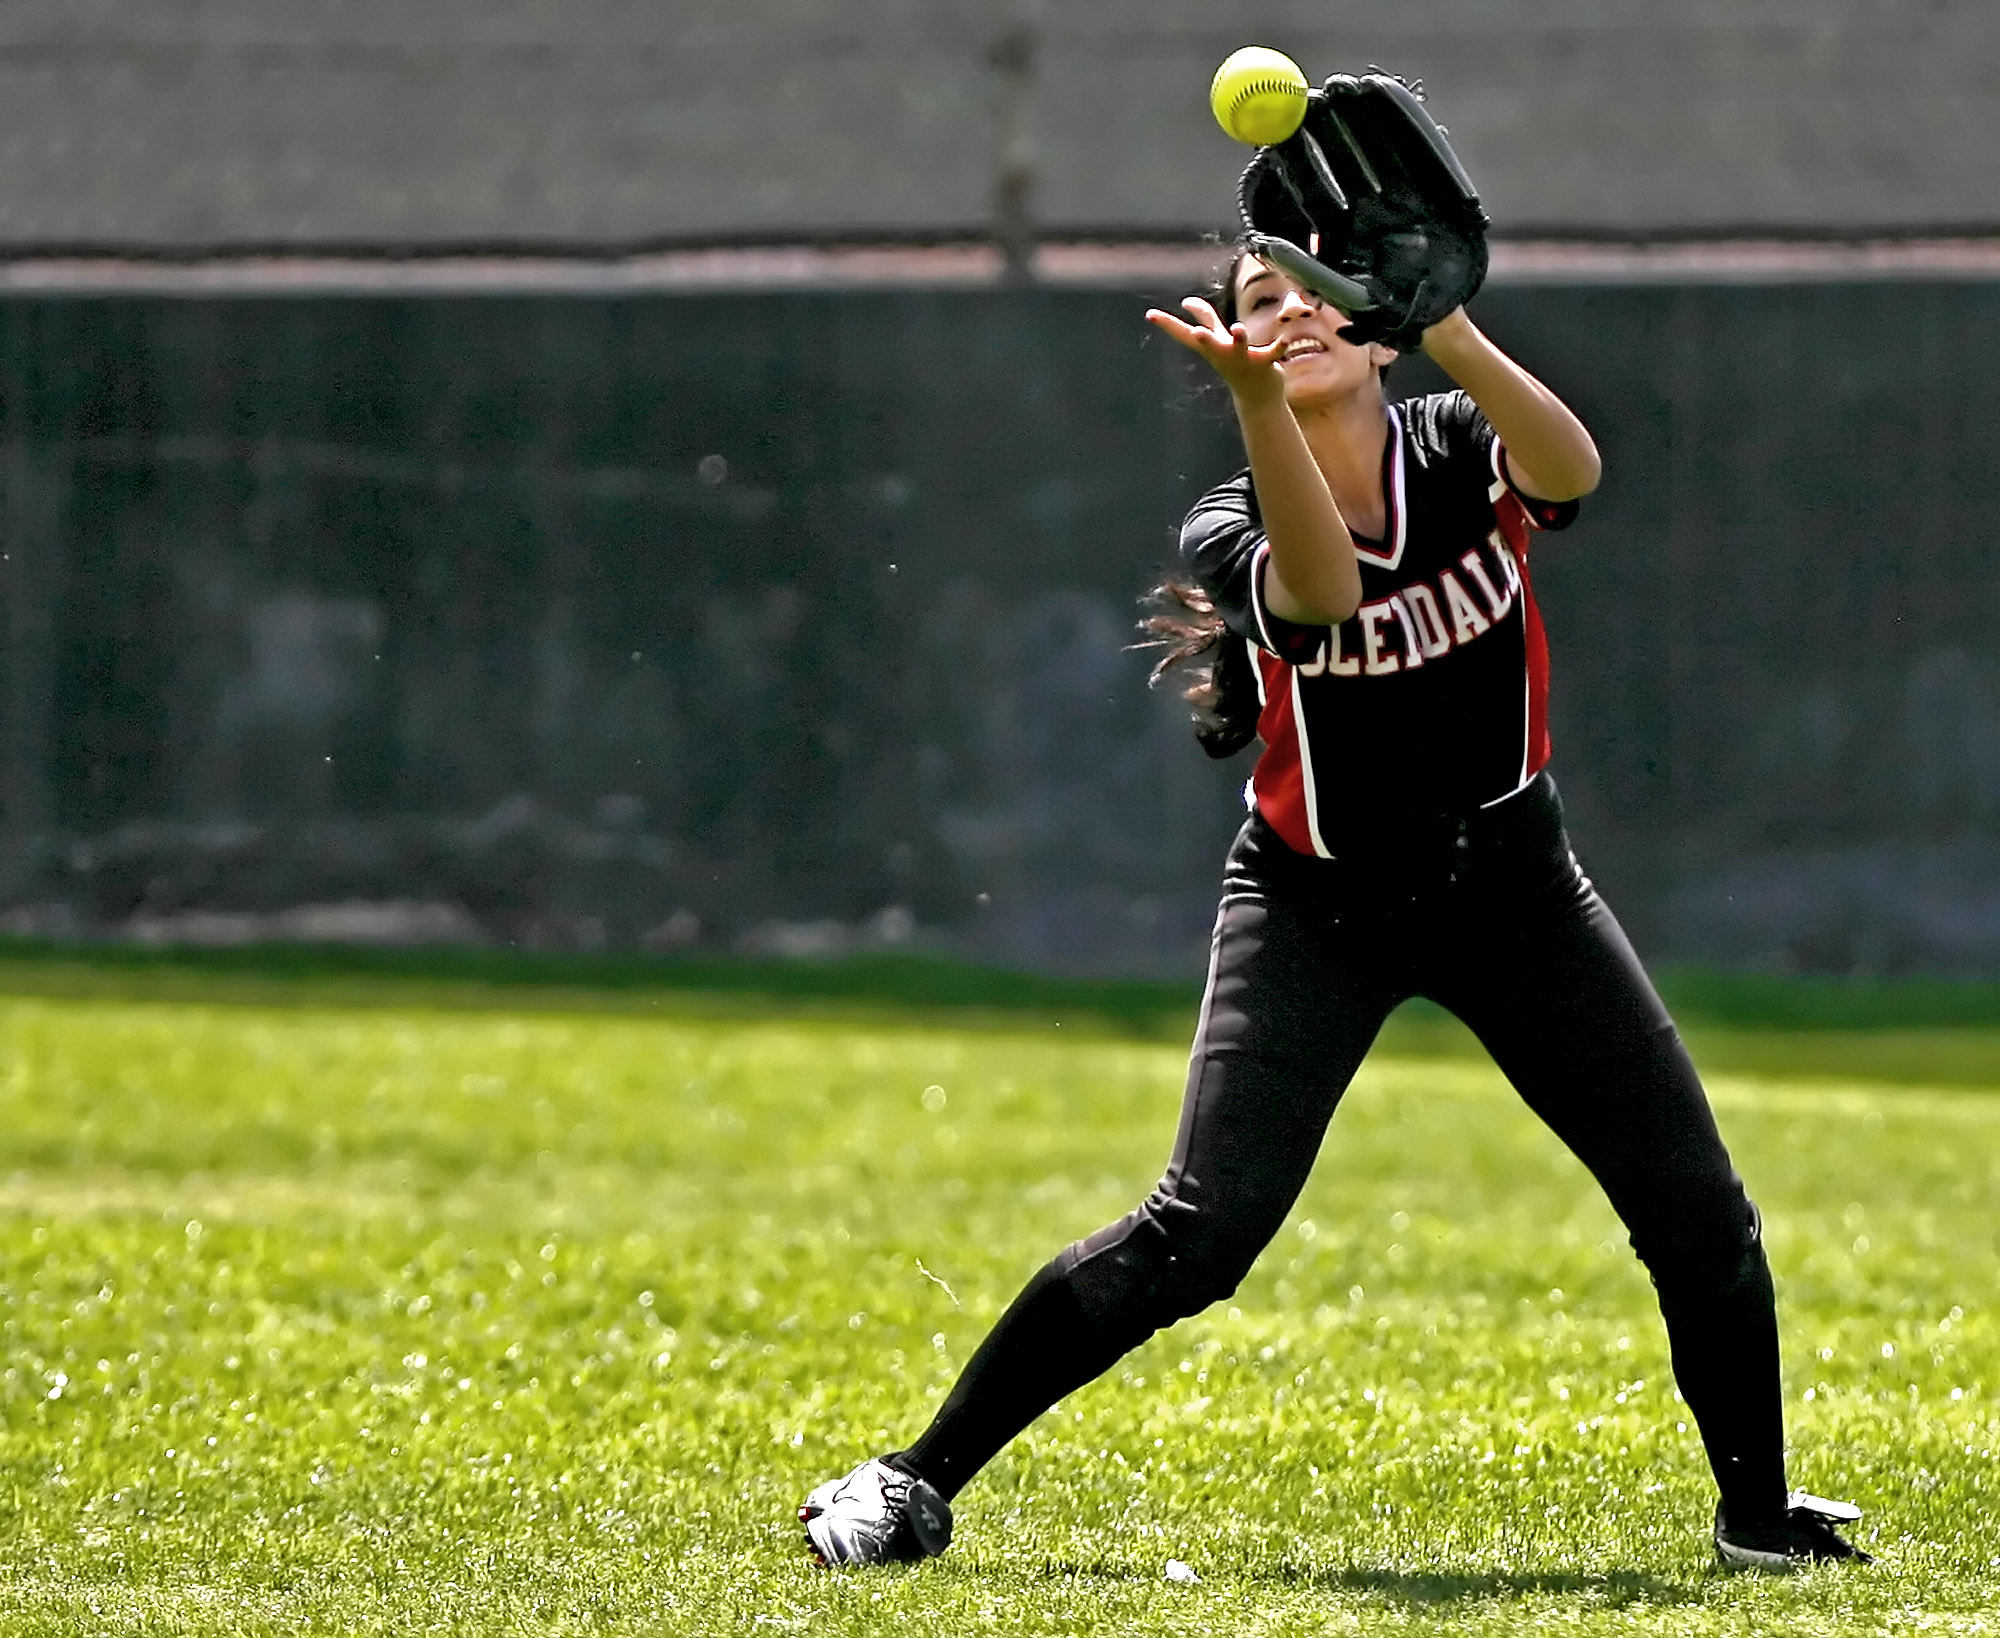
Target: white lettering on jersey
(1432, 638)
(1466, 620)
(1421, 622)
(1338, 663)
(1494, 601)
(1413, 651)
(1377, 663)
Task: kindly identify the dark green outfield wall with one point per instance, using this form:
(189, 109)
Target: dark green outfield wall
(785, 609)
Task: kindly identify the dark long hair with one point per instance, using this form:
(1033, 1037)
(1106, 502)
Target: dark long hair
(1214, 669)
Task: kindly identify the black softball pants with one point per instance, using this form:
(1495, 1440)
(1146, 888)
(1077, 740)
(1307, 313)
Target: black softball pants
(1488, 915)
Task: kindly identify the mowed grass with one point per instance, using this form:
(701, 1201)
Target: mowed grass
(333, 1318)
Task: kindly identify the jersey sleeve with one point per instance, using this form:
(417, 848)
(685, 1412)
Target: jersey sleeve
(1458, 430)
(1224, 548)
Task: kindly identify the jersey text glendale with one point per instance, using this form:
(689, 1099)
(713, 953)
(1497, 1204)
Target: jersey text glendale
(1434, 695)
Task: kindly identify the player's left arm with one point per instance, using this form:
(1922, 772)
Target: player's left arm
(1550, 455)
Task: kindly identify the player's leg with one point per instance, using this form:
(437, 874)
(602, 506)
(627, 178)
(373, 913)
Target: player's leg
(1287, 1017)
(1533, 960)
(1572, 1019)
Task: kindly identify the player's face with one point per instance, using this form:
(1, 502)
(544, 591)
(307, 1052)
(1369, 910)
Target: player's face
(1317, 364)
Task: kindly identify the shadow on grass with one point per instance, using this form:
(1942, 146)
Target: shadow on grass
(1931, 1032)
(1096, 1569)
(888, 986)
(1620, 1589)
(1428, 1589)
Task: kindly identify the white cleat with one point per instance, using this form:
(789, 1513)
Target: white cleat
(878, 1514)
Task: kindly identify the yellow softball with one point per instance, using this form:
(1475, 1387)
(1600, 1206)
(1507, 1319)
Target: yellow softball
(1259, 95)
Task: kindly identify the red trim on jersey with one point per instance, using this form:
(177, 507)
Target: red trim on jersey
(1514, 523)
(1283, 784)
(1279, 778)
(1396, 526)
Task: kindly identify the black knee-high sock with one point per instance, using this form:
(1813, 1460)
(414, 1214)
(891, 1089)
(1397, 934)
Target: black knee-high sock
(1724, 1339)
(1044, 1347)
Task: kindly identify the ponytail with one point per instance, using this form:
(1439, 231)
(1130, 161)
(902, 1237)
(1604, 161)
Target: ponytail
(1220, 686)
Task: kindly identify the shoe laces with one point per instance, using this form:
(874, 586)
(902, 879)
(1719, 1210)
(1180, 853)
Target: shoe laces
(893, 1485)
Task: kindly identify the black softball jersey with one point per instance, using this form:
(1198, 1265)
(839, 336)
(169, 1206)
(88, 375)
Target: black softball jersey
(1433, 696)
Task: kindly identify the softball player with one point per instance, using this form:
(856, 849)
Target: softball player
(1362, 591)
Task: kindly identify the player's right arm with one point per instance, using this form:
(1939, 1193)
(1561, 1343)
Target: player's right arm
(1313, 577)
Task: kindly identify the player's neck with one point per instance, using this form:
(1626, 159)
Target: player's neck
(1346, 438)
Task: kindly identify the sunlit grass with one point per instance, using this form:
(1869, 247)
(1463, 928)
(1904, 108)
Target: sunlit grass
(338, 1319)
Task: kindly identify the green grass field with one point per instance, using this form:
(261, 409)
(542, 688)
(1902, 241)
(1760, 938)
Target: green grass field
(388, 1305)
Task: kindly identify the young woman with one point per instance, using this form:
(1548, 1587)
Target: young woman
(1366, 579)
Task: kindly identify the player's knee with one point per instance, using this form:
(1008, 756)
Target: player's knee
(1153, 1269)
(1710, 1255)
(1198, 1278)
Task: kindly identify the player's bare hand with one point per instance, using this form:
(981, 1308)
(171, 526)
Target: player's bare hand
(1249, 371)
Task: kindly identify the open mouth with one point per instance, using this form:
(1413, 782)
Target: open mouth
(1304, 347)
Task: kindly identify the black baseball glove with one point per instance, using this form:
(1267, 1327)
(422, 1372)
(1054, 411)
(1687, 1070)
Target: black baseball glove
(1367, 205)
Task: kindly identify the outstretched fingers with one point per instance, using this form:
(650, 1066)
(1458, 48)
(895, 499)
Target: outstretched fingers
(1205, 314)
(1188, 335)
(1227, 347)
